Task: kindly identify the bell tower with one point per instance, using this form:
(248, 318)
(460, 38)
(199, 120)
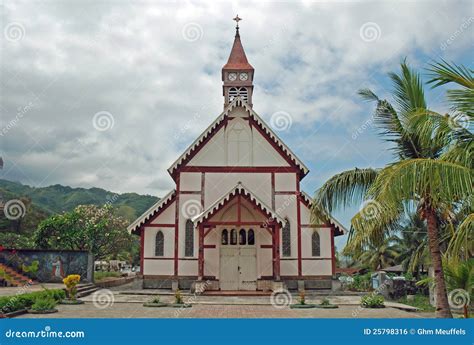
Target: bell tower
(237, 73)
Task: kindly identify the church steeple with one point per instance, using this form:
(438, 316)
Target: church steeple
(237, 73)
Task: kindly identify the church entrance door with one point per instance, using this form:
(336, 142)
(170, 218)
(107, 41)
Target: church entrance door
(238, 260)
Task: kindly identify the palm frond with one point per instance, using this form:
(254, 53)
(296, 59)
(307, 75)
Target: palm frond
(463, 239)
(342, 190)
(408, 89)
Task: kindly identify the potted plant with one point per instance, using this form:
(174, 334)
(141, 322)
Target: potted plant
(71, 282)
(178, 300)
(44, 305)
(372, 301)
(302, 302)
(326, 304)
(155, 302)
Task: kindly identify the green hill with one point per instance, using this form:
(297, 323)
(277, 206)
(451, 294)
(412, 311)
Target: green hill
(58, 198)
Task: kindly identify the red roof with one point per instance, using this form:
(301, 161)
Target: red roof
(237, 57)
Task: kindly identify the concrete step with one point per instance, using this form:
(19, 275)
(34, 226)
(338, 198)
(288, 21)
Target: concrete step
(87, 290)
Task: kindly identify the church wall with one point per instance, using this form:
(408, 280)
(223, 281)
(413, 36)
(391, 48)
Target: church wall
(238, 144)
(219, 183)
(190, 181)
(167, 216)
(285, 182)
(211, 255)
(264, 255)
(317, 267)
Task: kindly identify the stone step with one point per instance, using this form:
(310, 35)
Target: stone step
(87, 291)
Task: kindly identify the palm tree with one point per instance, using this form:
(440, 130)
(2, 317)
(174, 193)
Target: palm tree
(413, 244)
(380, 256)
(419, 180)
(460, 275)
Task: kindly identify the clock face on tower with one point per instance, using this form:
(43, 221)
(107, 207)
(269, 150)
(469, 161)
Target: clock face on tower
(243, 76)
(232, 76)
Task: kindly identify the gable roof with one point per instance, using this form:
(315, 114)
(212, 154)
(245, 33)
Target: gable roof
(341, 230)
(148, 214)
(215, 126)
(239, 189)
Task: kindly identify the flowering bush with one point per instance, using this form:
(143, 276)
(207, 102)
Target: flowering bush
(302, 298)
(71, 282)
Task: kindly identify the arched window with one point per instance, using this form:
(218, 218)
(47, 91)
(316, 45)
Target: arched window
(242, 237)
(159, 244)
(243, 93)
(225, 237)
(233, 237)
(251, 238)
(233, 92)
(286, 239)
(315, 244)
(189, 238)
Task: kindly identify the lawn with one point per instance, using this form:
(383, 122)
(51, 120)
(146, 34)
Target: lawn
(421, 302)
(102, 275)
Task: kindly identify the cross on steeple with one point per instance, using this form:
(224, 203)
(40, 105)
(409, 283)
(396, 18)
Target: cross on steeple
(237, 20)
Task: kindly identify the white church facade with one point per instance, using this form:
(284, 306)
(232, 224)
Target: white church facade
(237, 218)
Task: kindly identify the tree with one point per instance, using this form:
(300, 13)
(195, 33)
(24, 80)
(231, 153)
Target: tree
(460, 275)
(88, 227)
(381, 255)
(431, 173)
(413, 244)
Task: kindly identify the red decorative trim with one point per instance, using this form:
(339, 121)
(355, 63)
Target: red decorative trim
(266, 246)
(190, 192)
(275, 146)
(316, 259)
(277, 251)
(159, 226)
(157, 214)
(238, 169)
(273, 190)
(333, 253)
(227, 202)
(318, 226)
(208, 224)
(286, 193)
(201, 252)
(209, 246)
(197, 149)
(142, 248)
(176, 230)
(159, 258)
(298, 220)
(203, 185)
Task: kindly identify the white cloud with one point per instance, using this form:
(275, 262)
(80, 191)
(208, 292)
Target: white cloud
(131, 60)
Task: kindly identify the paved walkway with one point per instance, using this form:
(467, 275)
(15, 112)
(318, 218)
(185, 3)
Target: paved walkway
(135, 310)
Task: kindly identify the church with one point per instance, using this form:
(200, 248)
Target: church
(237, 219)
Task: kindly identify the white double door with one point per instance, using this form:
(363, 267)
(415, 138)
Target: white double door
(238, 267)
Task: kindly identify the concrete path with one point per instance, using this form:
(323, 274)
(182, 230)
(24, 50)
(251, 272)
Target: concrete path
(135, 310)
(168, 297)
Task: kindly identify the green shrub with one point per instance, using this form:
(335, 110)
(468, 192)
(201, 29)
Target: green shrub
(99, 275)
(44, 303)
(372, 301)
(156, 300)
(13, 303)
(325, 301)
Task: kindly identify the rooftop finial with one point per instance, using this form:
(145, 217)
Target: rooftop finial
(237, 20)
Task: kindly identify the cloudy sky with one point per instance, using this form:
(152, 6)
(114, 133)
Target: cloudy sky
(109, 93)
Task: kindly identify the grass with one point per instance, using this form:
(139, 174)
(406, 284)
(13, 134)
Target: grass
(421, 302)
(102, 275)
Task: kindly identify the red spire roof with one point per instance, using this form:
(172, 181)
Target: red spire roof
(237, 58)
